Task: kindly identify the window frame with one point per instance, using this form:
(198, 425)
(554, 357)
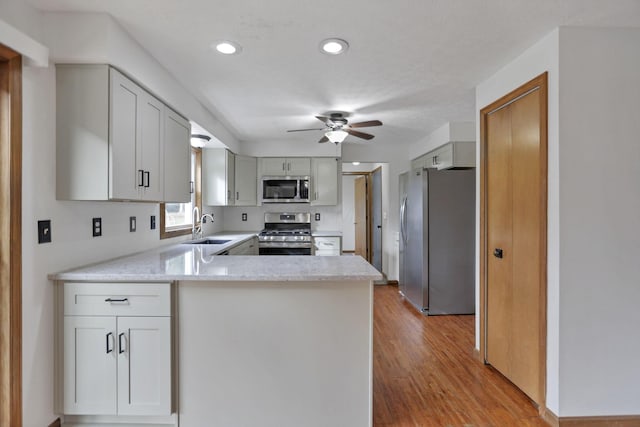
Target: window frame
(197, 188)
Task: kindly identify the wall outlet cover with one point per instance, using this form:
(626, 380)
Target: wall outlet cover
(44, 231)
(153, 222)
(244, 216)
(97, 227)
(132, 224)
(317, 217)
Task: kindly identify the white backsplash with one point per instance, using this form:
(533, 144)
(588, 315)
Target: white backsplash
(330, 216)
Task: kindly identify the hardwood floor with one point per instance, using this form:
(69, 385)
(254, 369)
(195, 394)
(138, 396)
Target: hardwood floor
(425, 372)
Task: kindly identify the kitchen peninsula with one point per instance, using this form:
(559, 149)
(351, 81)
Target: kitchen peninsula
(253, 340)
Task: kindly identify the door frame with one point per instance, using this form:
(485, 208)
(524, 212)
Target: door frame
(370, 224)
(11, 242)
(540, 83)
(367, 177)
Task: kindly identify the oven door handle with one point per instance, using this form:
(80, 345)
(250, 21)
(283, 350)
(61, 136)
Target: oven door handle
(293, 245)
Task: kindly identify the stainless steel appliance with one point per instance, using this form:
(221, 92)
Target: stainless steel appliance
(285, 234)
(285, 189)
(437, 236)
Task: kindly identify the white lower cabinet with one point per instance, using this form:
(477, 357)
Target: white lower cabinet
(327, 245)
(116, 364)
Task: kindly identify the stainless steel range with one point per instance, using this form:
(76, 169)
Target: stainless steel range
(286, 234)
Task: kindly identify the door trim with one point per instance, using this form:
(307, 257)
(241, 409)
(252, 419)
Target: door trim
(11, 243)
(539, 82)
(367, 177)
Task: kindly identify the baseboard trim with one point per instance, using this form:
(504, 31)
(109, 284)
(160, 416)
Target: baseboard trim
(477, 356)
(605, 421)
(56, 423)
(392, 282)
(550, 418)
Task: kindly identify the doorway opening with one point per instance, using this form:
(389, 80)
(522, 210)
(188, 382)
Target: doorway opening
(363, 212)
(11, 241)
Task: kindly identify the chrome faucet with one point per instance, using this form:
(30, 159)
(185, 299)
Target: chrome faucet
(196, 229)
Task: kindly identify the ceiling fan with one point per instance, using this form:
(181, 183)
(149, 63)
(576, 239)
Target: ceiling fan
(337, 128)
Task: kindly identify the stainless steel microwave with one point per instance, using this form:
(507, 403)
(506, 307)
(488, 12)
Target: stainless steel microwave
(285, 189)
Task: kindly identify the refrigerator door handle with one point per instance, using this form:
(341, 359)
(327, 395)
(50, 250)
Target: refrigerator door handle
(403, 219)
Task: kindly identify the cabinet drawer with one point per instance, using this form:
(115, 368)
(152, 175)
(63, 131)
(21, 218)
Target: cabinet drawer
(117, 299)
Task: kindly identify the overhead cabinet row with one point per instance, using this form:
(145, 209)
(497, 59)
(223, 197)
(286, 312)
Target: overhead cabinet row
(229, 179)
(116, 141)
(450, 155)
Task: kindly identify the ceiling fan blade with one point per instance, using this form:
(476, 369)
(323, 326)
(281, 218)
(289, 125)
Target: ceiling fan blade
(323, 140)
(359, 134)
(366, 124)
(304, 130)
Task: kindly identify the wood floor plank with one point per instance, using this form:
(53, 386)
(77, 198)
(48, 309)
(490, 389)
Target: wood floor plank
(425, 372)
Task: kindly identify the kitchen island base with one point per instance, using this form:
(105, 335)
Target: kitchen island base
(289, 353)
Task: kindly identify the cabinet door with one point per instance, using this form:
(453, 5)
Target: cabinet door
(231, 177)
(125, 176)
(177, 154)
(325, 181)
(151, 156)
(273, 166)
(89, 365)
(245, 182)
(443, 157)
(298, 166)
(144, 365)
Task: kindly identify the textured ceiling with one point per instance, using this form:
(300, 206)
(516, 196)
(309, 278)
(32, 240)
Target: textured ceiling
(413, 64)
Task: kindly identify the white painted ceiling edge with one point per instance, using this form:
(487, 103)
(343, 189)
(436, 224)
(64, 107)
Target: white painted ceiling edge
(98, 38)
(36, 53)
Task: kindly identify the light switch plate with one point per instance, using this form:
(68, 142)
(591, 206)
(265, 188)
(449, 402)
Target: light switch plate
(97, 227)
(132, 224)
(44, 231)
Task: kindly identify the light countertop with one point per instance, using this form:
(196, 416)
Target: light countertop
(199, 262)
(326, 233)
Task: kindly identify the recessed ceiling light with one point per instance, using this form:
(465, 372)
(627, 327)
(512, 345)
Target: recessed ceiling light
(333, 46)
(228, 48)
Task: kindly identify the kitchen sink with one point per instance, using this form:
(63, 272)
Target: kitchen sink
(209, 242)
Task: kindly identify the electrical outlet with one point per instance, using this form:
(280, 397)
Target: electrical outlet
(244, 216)
(97, 227)
(44, 231)
(153, 222)
(132, 224)
(317, 217)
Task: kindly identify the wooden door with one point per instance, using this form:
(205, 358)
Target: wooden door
(360, 215)
(515, 236)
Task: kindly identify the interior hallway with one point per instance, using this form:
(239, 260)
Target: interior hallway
(425, 372)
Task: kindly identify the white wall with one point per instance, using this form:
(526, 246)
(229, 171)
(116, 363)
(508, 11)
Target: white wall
(541, 57)
(348, 211)
(599, 229)
(72, 243)
(452, 131)
(301, 147)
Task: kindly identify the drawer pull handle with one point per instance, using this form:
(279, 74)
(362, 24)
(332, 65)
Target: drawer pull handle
(109, 350)
(121, 348)
(117, 300)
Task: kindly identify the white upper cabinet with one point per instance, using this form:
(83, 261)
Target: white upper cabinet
(177, 158)
(450, 155)
(246, 181)
(218, 177)
(111, 138)
(283, 166)
(325, 181)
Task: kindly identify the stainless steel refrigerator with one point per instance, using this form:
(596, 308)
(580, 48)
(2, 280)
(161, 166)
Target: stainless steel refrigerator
(437, 238)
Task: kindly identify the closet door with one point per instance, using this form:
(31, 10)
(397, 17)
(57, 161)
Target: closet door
(516, 223)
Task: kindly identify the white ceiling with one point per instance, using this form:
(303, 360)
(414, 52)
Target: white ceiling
(413, 64)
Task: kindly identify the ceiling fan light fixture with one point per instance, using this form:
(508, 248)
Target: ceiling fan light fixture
(228, 47)
(336, 136)
(198, 140)
(333, 46)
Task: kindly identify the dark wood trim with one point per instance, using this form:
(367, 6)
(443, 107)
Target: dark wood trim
(549, 417)
(11, 243)
(541, 83)
(393, 283)
(56, 423)
(197, 188)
